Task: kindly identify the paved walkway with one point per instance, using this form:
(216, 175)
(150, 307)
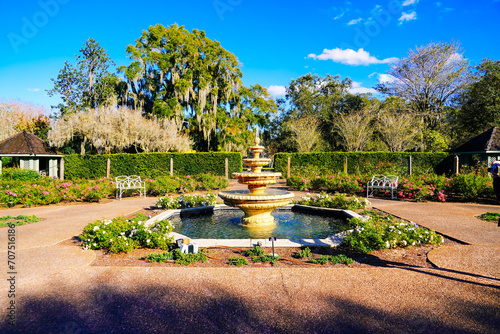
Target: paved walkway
(58, 291)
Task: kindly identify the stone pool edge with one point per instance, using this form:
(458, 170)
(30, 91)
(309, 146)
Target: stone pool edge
(331, 241)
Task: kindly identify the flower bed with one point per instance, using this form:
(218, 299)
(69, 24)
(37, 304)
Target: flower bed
(379, 232)
(468, 187)
(44, 191)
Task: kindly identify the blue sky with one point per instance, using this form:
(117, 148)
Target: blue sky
(276, 41)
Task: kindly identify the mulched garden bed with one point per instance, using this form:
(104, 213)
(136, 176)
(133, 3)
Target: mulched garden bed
(218, 257)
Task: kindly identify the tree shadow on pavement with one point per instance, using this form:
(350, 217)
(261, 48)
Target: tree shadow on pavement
(163, 309)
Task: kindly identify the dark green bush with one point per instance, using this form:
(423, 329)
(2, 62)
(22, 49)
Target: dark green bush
(150, 165)
(362, 162)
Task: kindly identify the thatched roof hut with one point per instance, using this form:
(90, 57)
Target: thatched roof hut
(32, 153)
(484, 148)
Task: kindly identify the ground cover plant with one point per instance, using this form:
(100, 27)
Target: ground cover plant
(123, 235)
(18, 220)
(490, 216)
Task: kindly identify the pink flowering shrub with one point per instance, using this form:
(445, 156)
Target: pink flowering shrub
(431, 187)
(47, 191)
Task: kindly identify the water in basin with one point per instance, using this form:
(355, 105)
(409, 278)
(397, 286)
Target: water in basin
(226, 224)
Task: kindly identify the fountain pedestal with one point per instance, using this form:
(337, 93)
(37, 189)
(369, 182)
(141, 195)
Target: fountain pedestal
(257, 203)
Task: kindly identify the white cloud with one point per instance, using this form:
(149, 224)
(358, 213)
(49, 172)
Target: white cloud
(409, 2)
(354, 21)
(33, 89)
(407, 17)
(350, 57)
(385, 78)
(275, 90)
(358, 89)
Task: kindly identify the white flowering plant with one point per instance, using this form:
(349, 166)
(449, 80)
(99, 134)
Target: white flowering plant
(186, 201)
(123, 235)
(337, 201)
(379, 232)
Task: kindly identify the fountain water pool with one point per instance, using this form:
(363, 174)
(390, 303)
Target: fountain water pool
(289, 224)
(255, 235)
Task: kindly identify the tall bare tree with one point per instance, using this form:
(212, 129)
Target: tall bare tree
(429, 78)
(399, 131)
(355, 130)
(306, 134)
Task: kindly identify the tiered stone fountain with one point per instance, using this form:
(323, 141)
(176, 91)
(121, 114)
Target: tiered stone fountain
(256, 202)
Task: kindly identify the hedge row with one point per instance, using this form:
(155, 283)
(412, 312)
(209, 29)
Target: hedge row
(150, 165)
(366, 162)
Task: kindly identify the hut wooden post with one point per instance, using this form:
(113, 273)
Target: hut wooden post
(345, 164)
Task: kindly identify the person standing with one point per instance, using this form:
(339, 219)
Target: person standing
(494, 170)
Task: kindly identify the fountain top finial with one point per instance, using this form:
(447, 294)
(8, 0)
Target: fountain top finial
(257, 139)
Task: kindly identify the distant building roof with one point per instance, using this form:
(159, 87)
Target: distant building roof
(25, 143)
(488, 141)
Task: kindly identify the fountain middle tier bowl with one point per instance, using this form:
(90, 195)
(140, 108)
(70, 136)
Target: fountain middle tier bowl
(253, 176)
(246, 197)
(256, 162)
(257, 207)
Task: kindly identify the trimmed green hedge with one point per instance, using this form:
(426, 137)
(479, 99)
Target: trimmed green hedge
(150, 165)
(366, 162)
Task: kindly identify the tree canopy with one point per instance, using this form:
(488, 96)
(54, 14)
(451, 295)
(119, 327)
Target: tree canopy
(177, 74)
(480, 103)
(88, 84)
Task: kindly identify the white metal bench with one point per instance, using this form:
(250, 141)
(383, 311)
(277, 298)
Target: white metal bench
(124, 183)
(385, 182)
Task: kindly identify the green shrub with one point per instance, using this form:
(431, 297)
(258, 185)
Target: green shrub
(255, 251)
(124, 235)
(266, 258)
(18, 174)
(150, 165)
(237, 261)
(341, 258)
(159, 257)
(177, 256)
(364, 162)
(304, 253)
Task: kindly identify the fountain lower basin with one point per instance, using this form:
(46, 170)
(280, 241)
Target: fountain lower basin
(259, 235)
